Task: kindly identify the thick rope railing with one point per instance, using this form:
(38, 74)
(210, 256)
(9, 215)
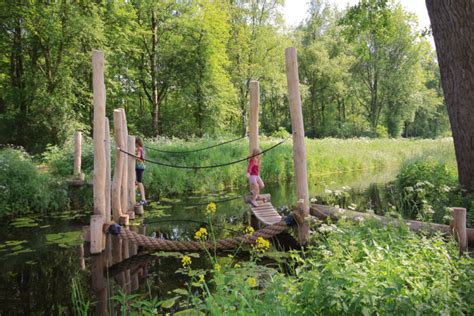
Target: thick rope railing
(206, 203)
(222, 244)
(194, 150)
(209, 166)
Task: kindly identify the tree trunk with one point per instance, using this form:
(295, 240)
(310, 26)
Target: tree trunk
(154, 82)
(453, 32)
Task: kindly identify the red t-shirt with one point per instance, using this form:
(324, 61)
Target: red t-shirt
(254, 168)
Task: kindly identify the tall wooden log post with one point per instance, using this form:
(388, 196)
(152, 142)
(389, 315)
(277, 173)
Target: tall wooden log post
(124, 186)
(459, 227)
(299, 149)
(131, 178)
(108, 173)
(253, 115)
(97, 220)
(78, 156)
(119, 158)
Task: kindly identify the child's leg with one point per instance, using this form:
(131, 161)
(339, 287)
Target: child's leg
(141, 188)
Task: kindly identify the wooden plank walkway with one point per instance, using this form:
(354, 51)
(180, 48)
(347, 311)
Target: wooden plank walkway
(266, 213)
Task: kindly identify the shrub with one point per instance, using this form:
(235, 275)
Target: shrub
(24, 188)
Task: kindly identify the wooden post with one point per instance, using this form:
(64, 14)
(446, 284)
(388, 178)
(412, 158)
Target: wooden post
(108, 173)
(131, 178)
(253, 115)
(299, 149)
(99, 284)
(459, 227)
(124, 186)
(133, 250)
(78, 156)
(119, 157)
(99, 151)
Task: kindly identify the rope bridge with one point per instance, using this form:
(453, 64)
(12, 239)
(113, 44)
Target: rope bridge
(205, 167)
(194, 150)
(222, 244)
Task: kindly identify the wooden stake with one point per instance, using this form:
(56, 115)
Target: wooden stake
(124, 186)
(299, 149)
(97, 223)
(99, 150)
(108, 173)
(459, 227)
(78, 156)
(119, 157)
(131, 178)
(253, 115)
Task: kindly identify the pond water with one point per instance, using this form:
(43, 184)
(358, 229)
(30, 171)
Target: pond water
(42, 257)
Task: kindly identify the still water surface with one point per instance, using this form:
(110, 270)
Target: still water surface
(41, 256)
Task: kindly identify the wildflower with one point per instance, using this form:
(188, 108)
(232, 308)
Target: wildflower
(252, 282)
(186, 261)
(313, 200)
(236, 266)
(230, 256)
(217, 267)
(261, 244)
(211, 208)
(201, 234)
(249, 230)
(327, 228)
(201, 278)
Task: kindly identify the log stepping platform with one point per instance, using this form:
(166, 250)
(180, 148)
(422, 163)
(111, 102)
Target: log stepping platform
(266, 213)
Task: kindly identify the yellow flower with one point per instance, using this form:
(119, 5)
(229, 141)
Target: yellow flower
(201, 234)
(217, 267)
(186, 261)
(236, 266)
(201, 278)
(252, 282)
(249, 230)
(211, 208)
(261, 244)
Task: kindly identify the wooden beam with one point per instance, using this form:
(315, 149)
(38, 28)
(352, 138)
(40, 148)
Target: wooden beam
(253, 115)
(131, 178)
(108, 173)
(299, 149)
(78, 156)
(119, 157)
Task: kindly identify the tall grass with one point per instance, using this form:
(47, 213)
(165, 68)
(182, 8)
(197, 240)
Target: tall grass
(324, 156)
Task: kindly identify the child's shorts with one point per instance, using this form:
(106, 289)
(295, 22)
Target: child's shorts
(256, 180)
(139, 173)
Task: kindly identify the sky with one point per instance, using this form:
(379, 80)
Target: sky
(295, 11)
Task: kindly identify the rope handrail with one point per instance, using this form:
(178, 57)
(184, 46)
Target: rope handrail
(204, 167)
(206, 203)
(194, 150)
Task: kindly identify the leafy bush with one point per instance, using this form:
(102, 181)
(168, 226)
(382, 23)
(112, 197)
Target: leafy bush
(24, 188)
(354, 269)
(60, 160)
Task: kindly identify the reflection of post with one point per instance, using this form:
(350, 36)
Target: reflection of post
(99, 284)
(134, 274)
(126, 255)
(80, 253)
(131, 178)
(299, 149)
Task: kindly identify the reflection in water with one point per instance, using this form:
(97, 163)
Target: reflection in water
(39, 281)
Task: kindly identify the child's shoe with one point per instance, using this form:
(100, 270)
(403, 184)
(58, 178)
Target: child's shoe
(142, 203)
(254, 203)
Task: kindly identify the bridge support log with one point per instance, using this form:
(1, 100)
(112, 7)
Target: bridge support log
(119, 158)
(131, 178)
(459, 229)
(124, 185)
(253, 115)
(97, 244)
(108, 173)
(299, 149)
(78, 156)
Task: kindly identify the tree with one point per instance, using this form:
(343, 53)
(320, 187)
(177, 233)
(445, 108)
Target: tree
(453, 31)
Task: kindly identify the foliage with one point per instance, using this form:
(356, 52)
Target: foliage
(23, 188)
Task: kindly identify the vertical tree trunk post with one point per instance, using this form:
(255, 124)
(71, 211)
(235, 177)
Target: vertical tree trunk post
(253, 115)
(119, 157)
(459, 227)
(133, 252)
(131, 178)
(78, 156)
(124, 187)
(299, 149)
(108, 173)
(99, 284)
(99, 152)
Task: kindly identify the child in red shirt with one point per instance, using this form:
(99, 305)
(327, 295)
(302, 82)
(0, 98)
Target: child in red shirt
(253, 175)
